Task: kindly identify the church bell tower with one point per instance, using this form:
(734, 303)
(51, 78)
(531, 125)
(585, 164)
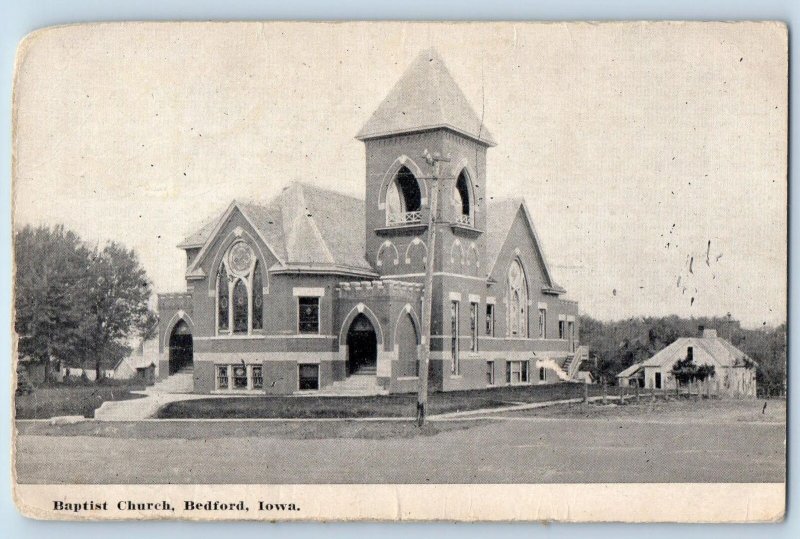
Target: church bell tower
(425, 113)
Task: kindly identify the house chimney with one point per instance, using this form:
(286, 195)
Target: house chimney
(701, 329)
(709, 333)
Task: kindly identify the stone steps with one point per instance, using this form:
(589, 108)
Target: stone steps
(180, 382)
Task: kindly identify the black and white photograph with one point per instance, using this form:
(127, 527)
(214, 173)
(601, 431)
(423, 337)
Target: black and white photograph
(401, 267)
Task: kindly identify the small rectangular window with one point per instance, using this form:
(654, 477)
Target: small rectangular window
(524, 367)
(690, 353)
(542, 323)
(658, 380)
(309, 377)
(222, 377)
(490, 320)
(473, 327)
(561, 329)
(308, 315)
(454, 333)
(258, 377)
(490, 373)
(239, 377)
(542, 374)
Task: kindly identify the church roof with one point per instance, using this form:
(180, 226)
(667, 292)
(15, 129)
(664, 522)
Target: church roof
(500, 215)
(426, 97)
(303, 227)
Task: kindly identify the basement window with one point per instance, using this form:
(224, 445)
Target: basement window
(308, 375)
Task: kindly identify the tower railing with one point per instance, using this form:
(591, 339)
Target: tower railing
(403, 218)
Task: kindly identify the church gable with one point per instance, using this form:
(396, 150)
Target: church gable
(234, 225)
(519, 241)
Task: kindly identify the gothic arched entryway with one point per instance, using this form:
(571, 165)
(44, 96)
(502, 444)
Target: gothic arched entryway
(362, 347)
(180, 348)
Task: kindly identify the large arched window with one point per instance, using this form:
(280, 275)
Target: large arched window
(517, 300)
(240, 294)
(461, 199)
(403, 199)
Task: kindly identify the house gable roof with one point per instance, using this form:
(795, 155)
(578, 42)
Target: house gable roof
(500, 216)
(303, 227)
(426, 97)
(720, 350)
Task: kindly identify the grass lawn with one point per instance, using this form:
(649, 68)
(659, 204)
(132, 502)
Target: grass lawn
(71, 399)
(354, 407)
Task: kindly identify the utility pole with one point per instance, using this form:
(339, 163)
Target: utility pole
(427, 306)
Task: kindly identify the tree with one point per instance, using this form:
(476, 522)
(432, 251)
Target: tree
(686, 371)
(50, 264)
(117, 293)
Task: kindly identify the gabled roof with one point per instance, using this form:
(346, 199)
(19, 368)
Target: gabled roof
(630, 371)
(304, 227)
(500, 216)
(426, 97)
(723, 352)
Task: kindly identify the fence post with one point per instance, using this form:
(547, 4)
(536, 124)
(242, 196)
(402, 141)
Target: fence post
(605, 392)
(637, 392)
(622, 394)
(585, 400)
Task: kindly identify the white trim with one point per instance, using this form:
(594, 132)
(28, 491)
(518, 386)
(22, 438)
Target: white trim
(562, 318)
(474, 298)
(455, 296)
(570, 318)
(543, 305)
(374, 320)
(435, 274)
(491, 300)
(179, 315)
(308, 292)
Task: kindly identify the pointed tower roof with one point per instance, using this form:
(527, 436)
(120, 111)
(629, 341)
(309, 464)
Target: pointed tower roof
(426, 97)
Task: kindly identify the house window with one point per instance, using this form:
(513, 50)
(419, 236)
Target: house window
(658, 380)
(542, 323)
(473, 326)
(490, 373)
(239, 376)
(240, 291)
(403, 199)
(562, 329)
(690, 353)
(542, 374)
(222, 377)
(517, 372)
(517, 300)
(454, 330)
(258, 377)
(308, 315)
(308, 376)
(490, 320)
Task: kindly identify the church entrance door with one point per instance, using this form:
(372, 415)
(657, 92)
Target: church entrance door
(362, 347)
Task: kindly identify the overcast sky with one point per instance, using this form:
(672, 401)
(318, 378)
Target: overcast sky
(653, 158)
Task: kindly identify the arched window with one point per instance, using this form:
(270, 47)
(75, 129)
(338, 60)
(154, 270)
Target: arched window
(240, 309)
(223, 303)
(517, 300)
(240, 291)
(258, 298)
(403, 199)
(461, 201)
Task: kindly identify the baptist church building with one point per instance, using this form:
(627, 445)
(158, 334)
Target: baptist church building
(316, 291)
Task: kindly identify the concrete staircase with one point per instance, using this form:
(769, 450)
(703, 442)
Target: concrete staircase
(180, 382)
(356, 385)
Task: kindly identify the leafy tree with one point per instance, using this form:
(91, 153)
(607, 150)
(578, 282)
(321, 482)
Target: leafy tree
(117, 293)
(50, 264)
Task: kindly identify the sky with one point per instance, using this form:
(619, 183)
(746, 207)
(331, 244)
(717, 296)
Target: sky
(652, 157)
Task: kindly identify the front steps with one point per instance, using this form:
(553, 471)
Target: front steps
(356, 385)
(180, 382)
